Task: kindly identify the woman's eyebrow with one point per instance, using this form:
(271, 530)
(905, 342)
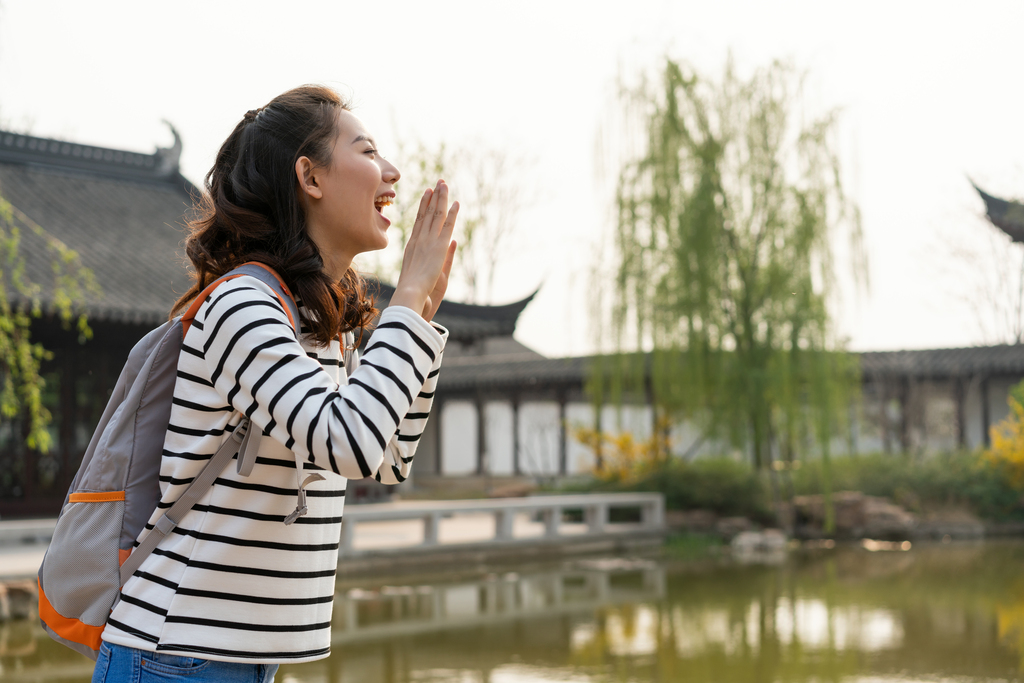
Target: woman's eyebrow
(367, 138)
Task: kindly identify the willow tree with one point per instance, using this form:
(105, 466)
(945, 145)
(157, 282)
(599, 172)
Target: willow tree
(724, 262)
(22, 300)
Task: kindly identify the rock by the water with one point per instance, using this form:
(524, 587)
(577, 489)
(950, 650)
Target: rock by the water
(760, 541)
(693, 521)
(856, 516)
(729, 527)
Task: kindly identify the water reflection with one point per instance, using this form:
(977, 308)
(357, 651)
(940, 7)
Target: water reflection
(809, 623)
(943, 612)
(361, 614)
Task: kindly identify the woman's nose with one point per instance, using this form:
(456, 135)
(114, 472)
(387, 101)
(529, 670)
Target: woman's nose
(389, 173)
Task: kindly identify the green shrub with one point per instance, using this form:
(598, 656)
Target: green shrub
(919, 483)
(724, 486)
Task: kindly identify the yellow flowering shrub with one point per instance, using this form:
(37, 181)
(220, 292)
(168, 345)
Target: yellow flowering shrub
(621, 457)
(1007, 439)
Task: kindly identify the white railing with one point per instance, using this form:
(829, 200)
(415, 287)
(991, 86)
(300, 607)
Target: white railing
(511, 516)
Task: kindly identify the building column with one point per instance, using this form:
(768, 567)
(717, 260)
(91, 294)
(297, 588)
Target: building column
(986, 417)
(438, 409)
(515, 435)
(563, 455)
(904, 399)
(883, 414)
(481, 436)
(959, 395)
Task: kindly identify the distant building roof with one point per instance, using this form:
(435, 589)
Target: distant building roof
(124, 213)
(1006, 215)
(1003, 359)
(497, 372)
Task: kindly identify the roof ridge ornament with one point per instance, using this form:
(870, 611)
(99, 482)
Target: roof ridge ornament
(168, 158)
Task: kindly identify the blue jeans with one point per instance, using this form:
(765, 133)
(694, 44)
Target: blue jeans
(119, 664)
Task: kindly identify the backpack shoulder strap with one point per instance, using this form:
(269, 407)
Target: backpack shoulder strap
(261, 272)
(270, 278)
(196, 490)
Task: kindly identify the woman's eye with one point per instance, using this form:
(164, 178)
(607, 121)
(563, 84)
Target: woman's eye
(370, 151)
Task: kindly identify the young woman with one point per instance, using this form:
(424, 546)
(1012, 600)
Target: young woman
(234, 591)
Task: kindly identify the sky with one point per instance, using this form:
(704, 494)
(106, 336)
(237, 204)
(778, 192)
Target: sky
(929, 95)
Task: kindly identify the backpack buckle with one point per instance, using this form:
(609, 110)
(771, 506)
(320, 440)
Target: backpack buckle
(240, 430)
(301, 508)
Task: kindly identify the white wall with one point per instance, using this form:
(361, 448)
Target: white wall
(998, 391)
(498, 435)
(458, 438)
(940, 419)
(539, 430)
(638, 420)
(975, 434)
(579, 458)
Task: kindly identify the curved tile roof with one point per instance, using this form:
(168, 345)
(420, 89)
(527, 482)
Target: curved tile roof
(123, 212)
(469, 321)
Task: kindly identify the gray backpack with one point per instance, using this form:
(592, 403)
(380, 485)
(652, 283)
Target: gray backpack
(117, 486)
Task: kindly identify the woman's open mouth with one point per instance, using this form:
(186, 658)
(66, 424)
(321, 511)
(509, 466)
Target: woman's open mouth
(380, 202)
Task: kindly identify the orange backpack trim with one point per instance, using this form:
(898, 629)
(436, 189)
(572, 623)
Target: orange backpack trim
(104, 497)
(193, 309)
(68, 629)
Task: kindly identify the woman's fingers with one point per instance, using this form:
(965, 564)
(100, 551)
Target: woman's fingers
(440, 285)
(450, 256)
(424, 204)
(440, 207)
(448, 227)
(429, 253)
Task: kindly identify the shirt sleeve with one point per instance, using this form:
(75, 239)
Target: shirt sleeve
(261, 370)
(399, 454)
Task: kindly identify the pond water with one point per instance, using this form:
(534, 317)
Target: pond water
(941, 612)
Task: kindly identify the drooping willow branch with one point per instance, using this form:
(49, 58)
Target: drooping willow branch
(21, 300)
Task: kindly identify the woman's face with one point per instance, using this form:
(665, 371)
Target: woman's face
(345, 205)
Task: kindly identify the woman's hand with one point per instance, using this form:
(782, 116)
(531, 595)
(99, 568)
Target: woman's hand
(437, 294)
(428, 255)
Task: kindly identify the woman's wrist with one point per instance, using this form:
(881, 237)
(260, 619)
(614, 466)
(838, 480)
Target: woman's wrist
(408, 297)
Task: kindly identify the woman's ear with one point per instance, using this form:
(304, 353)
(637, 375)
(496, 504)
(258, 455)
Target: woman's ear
(305, 173)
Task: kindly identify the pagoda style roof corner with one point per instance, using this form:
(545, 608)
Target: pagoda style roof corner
(467, 322)
(1006, 215)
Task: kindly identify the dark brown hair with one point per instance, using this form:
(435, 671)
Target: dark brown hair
(251, 210)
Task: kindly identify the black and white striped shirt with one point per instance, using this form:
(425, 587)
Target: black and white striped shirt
(232, 582)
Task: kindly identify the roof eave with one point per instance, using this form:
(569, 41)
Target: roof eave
(1006, 215)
